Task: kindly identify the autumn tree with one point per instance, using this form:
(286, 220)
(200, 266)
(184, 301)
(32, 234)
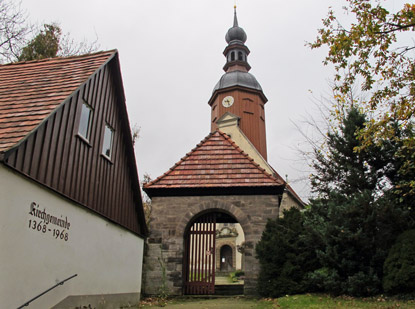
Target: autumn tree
(43, 45)
(50, 42)
(355, 217)
(20, 41)
(146, 199)
(374, 54)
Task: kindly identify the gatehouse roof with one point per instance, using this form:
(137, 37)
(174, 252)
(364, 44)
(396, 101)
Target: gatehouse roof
(216, 162)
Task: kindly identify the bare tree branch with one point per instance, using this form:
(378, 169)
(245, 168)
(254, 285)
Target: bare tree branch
(69, 47)
(14, 30)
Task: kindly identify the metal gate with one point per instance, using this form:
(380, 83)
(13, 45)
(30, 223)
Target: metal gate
(199, 263)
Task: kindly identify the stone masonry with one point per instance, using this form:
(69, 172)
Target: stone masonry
(172, 216)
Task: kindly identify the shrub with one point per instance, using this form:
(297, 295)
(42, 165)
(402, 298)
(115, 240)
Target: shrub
(285, 256)
(324, 279)
(239, 273)
(236, 275)
(362, 283)
(399, 266)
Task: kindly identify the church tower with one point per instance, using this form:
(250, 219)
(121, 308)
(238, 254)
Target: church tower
(225, 179)
(238, 92)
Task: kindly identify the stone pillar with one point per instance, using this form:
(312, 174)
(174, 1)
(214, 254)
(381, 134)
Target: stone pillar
(163, 261)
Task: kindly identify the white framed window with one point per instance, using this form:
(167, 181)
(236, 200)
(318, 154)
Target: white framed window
(108, 141)
(84, 129)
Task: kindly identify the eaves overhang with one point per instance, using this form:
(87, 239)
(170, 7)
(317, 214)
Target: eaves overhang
(236, 63)
(237, 87)
(215, 191)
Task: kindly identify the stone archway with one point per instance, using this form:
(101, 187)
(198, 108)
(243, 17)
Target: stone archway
(170, 219)
(202, 253)
(201, 209)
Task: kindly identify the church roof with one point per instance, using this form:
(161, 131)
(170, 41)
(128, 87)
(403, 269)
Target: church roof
(30, 91)
(216, 162)
(237, 78)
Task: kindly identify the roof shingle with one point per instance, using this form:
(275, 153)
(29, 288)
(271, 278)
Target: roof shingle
(30, 91)
(215, 162)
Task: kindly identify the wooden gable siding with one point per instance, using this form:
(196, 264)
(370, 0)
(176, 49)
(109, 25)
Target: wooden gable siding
(55, 156)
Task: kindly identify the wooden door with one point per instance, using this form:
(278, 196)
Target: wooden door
(199, 262)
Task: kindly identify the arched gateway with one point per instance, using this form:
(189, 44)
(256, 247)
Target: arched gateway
(202, 252)
(226, 174)
(250, 196)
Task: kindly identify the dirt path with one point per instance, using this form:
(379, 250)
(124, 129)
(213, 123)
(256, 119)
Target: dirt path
(216, 303)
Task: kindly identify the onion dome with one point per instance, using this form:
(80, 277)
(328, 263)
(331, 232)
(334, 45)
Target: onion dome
(237, 66)
(235, 33)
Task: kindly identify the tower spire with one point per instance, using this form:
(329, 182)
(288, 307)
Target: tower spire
(236, 52)
(235, 18)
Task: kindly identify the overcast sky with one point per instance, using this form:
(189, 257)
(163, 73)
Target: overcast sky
(171, 58)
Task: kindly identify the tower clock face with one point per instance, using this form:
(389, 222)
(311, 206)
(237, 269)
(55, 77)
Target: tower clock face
(227, 101)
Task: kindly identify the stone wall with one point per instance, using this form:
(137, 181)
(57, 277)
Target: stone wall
(170, 218)
(287, 202)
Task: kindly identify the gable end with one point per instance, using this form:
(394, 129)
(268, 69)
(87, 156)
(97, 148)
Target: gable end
(55, 155)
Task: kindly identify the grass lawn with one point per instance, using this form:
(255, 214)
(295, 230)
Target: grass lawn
(324, 301)
(296, 301)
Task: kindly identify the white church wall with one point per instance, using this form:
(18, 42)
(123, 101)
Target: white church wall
(234, 242)
(240, 239)
(36, 254)
(287, 202)
(230, 126)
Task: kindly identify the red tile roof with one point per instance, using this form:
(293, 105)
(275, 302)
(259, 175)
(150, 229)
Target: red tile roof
(30, 91)
(215, 162)
(289, 188)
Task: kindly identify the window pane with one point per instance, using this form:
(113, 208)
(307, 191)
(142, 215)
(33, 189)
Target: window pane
(107, 146)
(85, 121)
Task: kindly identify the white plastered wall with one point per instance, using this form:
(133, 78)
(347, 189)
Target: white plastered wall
(287, 202)
(229, 125)
(239, 240)
(106, 257)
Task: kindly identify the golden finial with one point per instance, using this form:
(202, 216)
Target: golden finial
(235, 20)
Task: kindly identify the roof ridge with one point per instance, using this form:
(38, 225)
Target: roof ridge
(60, 58)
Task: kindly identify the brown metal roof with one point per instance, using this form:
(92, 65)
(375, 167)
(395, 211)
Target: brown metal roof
(215, 162)
(30, 91)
